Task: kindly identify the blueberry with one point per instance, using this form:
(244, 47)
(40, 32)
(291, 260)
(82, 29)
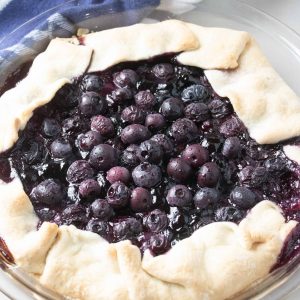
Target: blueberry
(127, 229)
(229, 214)
(172, 108)
(156, 220)
(163, 72)
(184, 130)
(101, 209)
(231, 147)
(208, 175)
(132, 156)
(141, 200)
(145, 99)
(48, 192)
(259, 176)
(243, 197)
(88, 140)
(91, 104)
(165, 142)
(46, 214)
(133, 115)
(118, 195)
(89, 188)
(98, 226)
(197, 112)
(135, 134)
(91, 83)
(276, 166)
(219, 108)
(146, 175)
(206, 196)
(32, 152)
(125, 78)
(151, 151)
(159, 244)
(60, 149)
(179, 170)
(121, 95)
(103, 125)
(179, 195)
(50, 128)
(195, 92)
(231, 127)
(103, 157)
(74, 214)
(118, 174)
(195, 155)
(78, 171)
(155, 122)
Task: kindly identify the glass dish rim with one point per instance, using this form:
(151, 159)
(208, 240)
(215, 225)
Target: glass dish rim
(259, 289)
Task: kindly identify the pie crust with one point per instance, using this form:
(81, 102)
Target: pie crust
(81, 264)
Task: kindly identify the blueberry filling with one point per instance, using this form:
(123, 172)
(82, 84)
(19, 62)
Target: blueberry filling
(149, 152)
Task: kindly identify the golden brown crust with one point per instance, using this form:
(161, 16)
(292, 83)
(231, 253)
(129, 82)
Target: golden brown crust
(81, 264)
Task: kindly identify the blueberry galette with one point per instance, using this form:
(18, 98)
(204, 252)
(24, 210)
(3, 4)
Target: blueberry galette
(150, 162)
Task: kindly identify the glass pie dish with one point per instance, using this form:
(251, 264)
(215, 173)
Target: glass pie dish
(238, 16)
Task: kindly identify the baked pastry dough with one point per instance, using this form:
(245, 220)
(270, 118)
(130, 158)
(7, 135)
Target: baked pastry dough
(87, 265)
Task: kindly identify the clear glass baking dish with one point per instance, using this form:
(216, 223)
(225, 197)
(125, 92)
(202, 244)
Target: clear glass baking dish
(279, 43)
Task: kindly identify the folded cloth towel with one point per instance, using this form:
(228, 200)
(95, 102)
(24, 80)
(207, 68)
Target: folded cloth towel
(57, 18)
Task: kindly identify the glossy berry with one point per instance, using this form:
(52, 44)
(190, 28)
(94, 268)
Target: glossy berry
(127, 228)
(163, 72)
(78, 171)
(197, 112)
(118, 174)
(118, 195)
(50, 128)
(88, 140)
(231, 127)
(155, 122)
(89, 188)
(179, 170)
(195, 92)
(156, 221)
(151, 151)
(245, 175)
(243, 197)
(98, 226)
(184, 130)
(231, 147)
(208, 175)
(135, 134)
(74, 214)
(132, 156)
(48, 192)
(159, 243)
(145, 99)
(60, 149)
(103, 125)
(121, 95)
(276, 166)
(206, 196)
(91, 83)
(165, 142)
(103, 157)
(195, 155)
(219, 108)
(133, 115)
(172, 108)
(141, 200)
(179, 195)
(101, 209)
(91, 104)
(126, 77)
(146, 175)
